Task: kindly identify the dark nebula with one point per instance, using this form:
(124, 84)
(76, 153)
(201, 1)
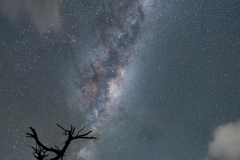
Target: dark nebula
(119, 27)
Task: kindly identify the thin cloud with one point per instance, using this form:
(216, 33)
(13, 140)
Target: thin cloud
(226, 142)
(43, 13)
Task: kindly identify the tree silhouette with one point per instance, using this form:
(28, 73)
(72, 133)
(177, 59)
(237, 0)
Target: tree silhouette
(40, 151)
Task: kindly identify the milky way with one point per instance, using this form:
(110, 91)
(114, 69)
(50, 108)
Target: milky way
(99, 76)
(153, 79)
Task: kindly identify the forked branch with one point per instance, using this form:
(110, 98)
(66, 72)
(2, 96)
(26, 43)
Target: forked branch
(41, 150)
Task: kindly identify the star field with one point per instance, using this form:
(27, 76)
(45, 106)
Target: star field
(152, 79)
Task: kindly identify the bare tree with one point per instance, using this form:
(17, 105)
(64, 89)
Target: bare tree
(40, 151)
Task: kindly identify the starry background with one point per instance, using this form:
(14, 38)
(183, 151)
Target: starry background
(181, 62)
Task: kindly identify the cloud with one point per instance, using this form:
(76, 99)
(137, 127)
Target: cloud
(43, 13)
(226, 142)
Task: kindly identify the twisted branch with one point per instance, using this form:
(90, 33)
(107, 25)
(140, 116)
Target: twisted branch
(41, 150)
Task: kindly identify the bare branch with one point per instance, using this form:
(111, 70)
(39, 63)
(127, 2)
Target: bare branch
(34, 135)
(61, 127)
(39, 153)
(81, 130)
(57, 148)
(73, 131)
(41, 150)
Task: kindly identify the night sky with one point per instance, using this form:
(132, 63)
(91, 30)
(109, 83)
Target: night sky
(153, 79)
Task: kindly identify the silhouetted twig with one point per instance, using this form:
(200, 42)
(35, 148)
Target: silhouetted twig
(41, 150)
